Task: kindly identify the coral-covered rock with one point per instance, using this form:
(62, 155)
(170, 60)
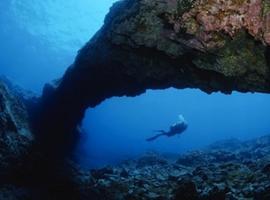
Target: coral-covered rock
(212, 18)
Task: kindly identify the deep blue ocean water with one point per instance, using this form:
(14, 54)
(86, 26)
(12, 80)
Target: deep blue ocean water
(40, 39)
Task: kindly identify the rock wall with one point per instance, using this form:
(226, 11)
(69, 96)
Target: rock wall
(213, 45)
(15, 133)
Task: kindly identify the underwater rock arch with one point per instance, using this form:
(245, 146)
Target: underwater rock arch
(148, 44)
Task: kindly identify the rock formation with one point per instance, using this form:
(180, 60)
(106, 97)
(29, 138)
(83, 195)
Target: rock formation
(213, 45)
(15, 133)
(25, 171)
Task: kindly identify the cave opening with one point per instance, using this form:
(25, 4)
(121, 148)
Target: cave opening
(116, 129)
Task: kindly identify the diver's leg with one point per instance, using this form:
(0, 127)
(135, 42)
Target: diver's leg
(160, 131)
(156, 136)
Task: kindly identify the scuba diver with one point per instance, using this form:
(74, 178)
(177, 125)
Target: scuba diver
(177, 128)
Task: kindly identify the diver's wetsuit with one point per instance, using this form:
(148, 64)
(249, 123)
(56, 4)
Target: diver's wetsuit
(177, 128)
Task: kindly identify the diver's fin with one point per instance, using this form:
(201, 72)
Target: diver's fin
(155, 137)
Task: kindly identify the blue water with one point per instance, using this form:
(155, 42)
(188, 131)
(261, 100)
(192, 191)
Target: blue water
(118, 127)
(40, 39)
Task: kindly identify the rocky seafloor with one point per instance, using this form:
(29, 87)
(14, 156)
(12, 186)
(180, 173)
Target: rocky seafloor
(229, 169)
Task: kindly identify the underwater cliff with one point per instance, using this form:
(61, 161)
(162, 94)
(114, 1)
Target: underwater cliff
(212, 45)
